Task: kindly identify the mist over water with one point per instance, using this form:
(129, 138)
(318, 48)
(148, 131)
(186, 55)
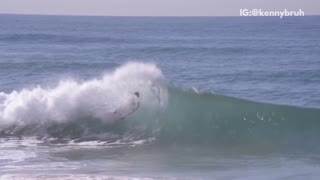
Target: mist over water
(216, 102)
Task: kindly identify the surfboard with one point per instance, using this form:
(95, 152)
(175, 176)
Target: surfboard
(127, 109)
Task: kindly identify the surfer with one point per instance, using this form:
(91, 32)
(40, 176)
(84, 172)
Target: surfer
(131, 106)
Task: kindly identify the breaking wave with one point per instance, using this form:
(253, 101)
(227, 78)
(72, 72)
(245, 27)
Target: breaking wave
(75, 109)
(82, 111)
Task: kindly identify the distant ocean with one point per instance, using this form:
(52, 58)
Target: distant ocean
(220, 97)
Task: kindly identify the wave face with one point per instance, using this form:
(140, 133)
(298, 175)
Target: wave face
(82, 111)
(211, 119)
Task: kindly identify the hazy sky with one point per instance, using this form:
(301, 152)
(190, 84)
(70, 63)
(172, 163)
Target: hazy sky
(153, 7)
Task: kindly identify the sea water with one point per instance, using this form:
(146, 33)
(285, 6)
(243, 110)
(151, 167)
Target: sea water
(220, 97)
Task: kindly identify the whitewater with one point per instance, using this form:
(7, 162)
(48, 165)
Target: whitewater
(34, 111)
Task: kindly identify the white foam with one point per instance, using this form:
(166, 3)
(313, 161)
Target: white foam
(15, 155)
(71, 100)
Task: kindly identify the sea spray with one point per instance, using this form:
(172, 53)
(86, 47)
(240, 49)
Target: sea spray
(72, 102)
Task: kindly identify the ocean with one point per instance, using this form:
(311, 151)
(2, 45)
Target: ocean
(224, 98)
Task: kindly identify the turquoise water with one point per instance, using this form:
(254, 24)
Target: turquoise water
(221, 98)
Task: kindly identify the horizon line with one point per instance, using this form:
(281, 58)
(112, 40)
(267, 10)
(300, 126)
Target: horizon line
(177, 16)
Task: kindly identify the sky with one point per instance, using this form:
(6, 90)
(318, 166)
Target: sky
(153, 7)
